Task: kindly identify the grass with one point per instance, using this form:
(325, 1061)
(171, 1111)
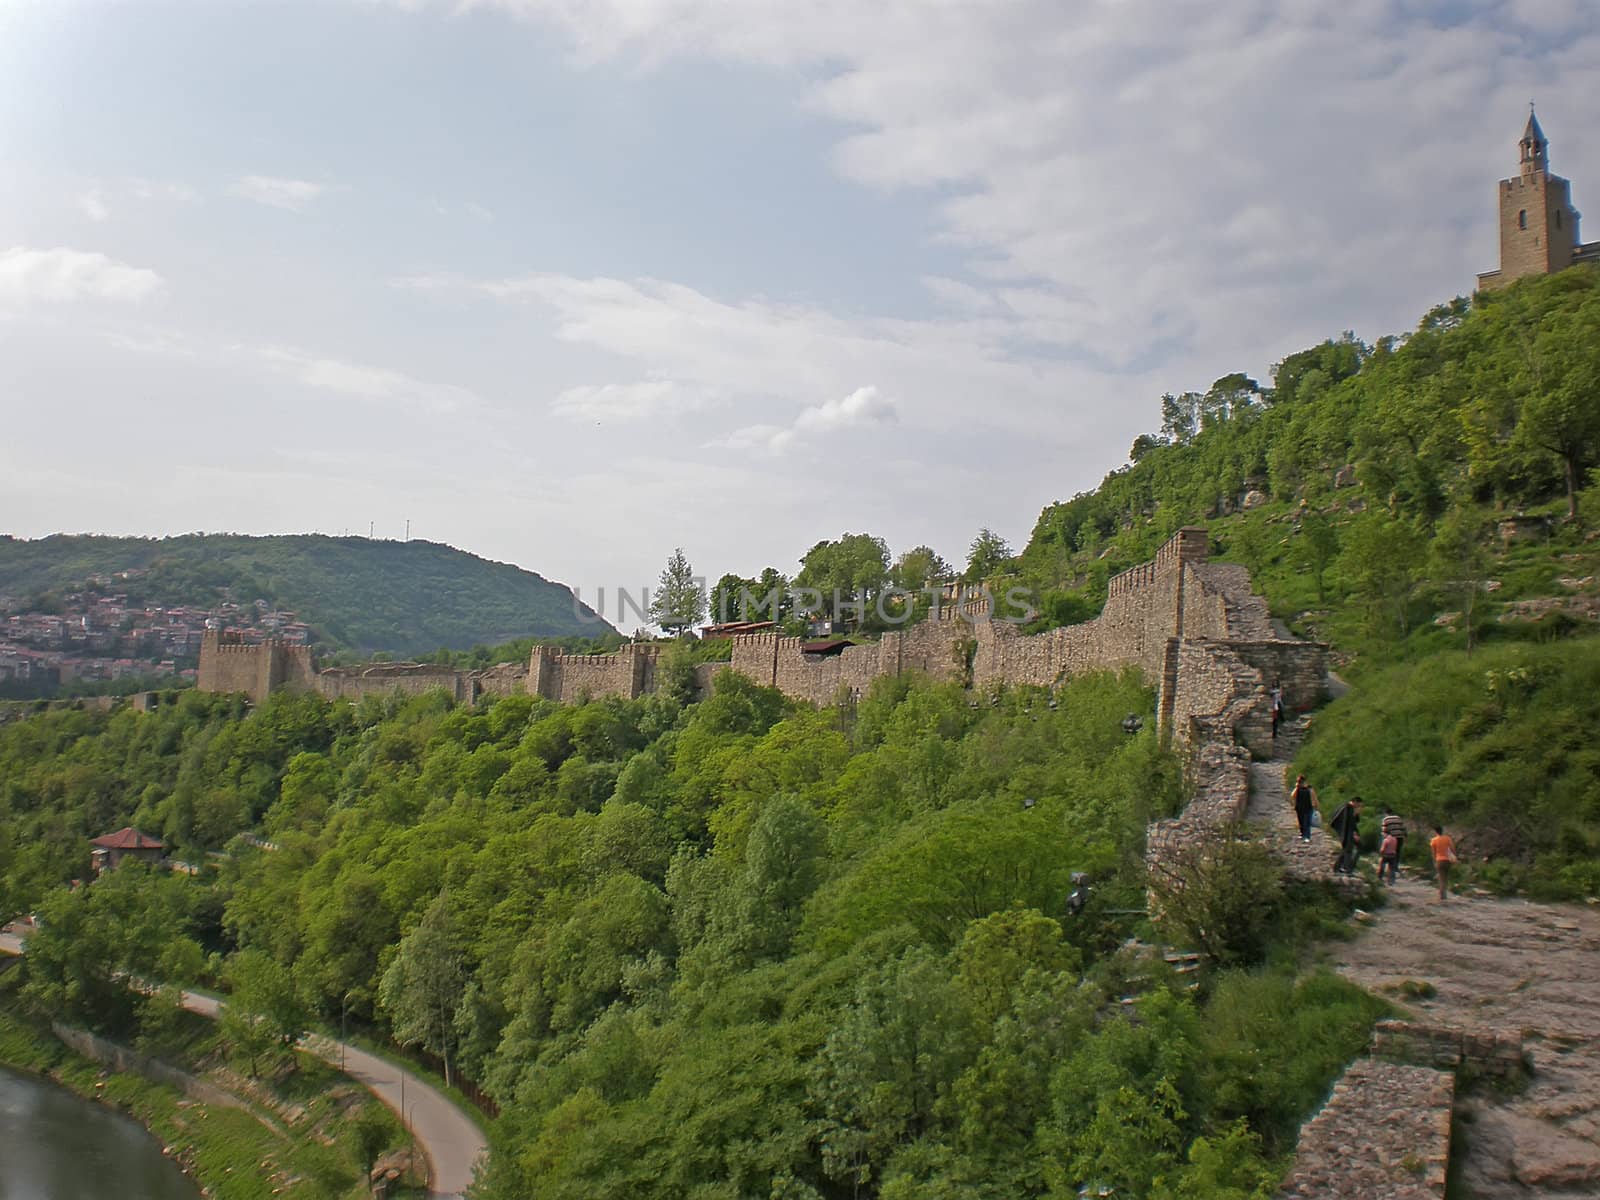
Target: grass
(1497, 745)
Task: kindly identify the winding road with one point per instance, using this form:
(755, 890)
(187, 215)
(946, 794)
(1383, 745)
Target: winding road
(449, 1138)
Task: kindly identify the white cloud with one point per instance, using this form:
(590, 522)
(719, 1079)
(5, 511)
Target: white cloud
(291, 194)
(627, 401)
(364, 382)
(93, 205)
(359, 381)
(479, 212)
(62, 276)
(162, 189)
(1205, 179)
(758, 355)
(863, 407)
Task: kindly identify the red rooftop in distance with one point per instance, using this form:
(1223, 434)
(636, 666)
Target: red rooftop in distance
(110, 849)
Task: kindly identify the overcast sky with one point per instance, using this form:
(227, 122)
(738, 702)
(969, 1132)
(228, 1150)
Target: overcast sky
(567, 283)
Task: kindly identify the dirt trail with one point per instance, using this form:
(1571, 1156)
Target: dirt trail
(1507, 966)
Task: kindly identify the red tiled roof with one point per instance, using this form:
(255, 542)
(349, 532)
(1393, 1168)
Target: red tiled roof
(128, 838)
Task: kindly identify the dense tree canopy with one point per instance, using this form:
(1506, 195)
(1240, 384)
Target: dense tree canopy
(740, 948)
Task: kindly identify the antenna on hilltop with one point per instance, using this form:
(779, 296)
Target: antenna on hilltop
(370, 526)
(408, 529)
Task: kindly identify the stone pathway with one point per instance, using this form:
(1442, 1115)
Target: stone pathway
(1273, 816)
(1506, 966)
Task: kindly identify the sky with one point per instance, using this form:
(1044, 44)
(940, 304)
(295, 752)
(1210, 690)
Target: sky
(569, 283)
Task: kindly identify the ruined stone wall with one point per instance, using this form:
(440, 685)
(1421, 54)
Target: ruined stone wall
(1483, 1052)
(503, 679)
(385, 679)
(1219, 777)
(1384, 1132)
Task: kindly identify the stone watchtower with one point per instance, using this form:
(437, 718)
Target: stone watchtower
(1538, 225)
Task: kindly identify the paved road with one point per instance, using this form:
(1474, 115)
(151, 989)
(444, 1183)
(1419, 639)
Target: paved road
(446, 1134)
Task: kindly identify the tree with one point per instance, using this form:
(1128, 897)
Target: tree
(423, 987)
(1217, 893)
(1143, 445)
(264, 1017)
(1559, 376)
(263, 995)
(918, 567)
(987, 556)
(733, 599)
(1228, 398)
(888, 1062)
(849, 571)
(680, 599)
(1460, 563)
(1380, 558)
(1318, 544)
(1181, 416)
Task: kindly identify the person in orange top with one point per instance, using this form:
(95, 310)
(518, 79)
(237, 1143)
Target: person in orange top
(1444, 854)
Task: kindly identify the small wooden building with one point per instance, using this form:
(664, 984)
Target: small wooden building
(108, 851)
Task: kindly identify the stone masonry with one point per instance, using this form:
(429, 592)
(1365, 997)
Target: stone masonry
(1193, 627)
(1384, 1132)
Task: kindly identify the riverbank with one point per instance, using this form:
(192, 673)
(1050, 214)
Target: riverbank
(268, 1147)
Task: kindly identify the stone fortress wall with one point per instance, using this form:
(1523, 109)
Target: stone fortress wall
(1192, 626)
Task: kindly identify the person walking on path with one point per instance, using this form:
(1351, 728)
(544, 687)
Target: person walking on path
(1388, 857)
(1347, 824)
(1277, 707)
(1444, 857)
(1304, 799)
(1393, 826)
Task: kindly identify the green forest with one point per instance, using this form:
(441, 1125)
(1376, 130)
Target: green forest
(738, 948)
(744, 947)
(406, 598)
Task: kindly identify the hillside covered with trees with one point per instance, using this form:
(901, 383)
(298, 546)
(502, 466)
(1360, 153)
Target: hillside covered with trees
(407, 598)
(748, 948)
(739, 948)
(1428, 506)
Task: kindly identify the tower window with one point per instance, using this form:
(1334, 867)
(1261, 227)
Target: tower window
(1558, 218)
(1522, 218)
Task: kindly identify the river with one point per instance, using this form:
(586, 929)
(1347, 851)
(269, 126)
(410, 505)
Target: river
(55, 1146)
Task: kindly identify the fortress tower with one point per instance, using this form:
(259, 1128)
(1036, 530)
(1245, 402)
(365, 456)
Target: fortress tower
(1538, 225)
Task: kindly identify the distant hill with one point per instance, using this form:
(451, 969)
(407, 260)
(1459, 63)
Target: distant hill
(409, 598)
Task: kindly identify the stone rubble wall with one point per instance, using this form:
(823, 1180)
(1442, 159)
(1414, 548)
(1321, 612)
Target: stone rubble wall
(385, 679)
(1481, 1052)
(1383, 1134)
(1390, 1112)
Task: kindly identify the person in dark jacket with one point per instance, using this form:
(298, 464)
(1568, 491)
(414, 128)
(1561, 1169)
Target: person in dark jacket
(1304, 799)
(1347, 824)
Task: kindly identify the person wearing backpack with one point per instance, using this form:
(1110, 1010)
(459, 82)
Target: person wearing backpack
(1347, 824)
(1304, 800)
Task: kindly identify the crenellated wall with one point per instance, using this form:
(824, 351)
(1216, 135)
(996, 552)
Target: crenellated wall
(1193, 627)
(629, 672)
